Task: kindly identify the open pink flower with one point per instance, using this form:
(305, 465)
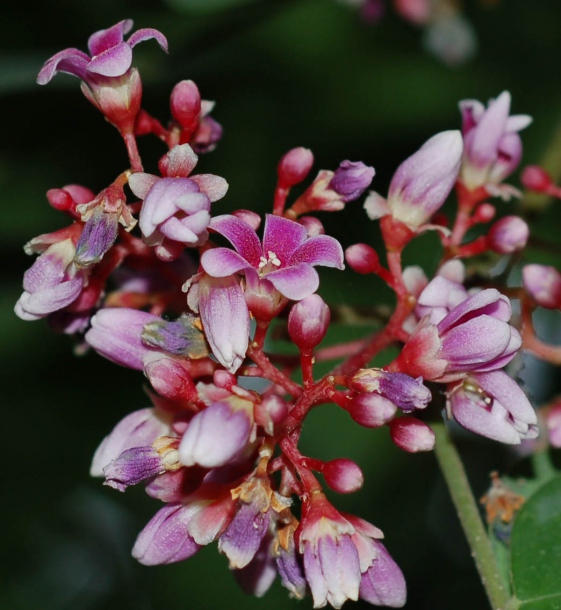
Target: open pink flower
(110, 55)
(286, 258)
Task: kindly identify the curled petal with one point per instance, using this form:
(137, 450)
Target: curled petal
(320, 250)
(165, 538)
(106, 39)
(147, 34)
(112, 62)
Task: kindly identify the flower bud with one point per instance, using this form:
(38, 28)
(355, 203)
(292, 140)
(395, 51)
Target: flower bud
(170, 379)
(371, 410)
(536, 178)
(509, 234)
(308, 322)
(543, 283)
(411, 434)
(343, 476)
(422, 182)
(270, 411)
(553, 423)
(294, 167)
(362, 258)
(185, 103)
(351, 179)
(116, 334)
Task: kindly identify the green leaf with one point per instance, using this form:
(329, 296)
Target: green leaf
(536, 550)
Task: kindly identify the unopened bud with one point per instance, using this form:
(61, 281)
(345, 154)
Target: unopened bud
(294, 166)
(411, 434)
(308, 322)
(313, 225)
(535, 178)
(224, 379)
(509, 234)
(170, 379)
(343, 476)
(185, 103)
(351, 179)
(362, 258)
(543, 283)
(371, 410)
(270, 411)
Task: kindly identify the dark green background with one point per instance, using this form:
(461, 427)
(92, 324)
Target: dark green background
(284, 73)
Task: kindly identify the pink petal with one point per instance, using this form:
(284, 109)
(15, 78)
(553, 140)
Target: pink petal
(241, 236)
(106, 39)
(71, 61)
(319, 250)
(488, 132)
(468, 307)
(283, 237)
(147, 34)
(165, 538)
(295, 282)
(113, 62)
(214, 187)
(222, 262)
(141, 183)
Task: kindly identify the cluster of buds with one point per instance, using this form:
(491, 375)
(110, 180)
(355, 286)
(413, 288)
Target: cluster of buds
(194, 317)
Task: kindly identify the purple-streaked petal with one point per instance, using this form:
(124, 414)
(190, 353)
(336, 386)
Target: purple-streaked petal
(296, 282)
(112, 62)
(240, 235)
(258, 576)
(214, 187)
(222, 262)
(146, 34)
(137, 429)
(225, 319)
(39, 304)
(290, 569)
(106, 39)
(475, 342)
(340, 567)
(215, 436)
(383, 583)
(165, 538)
(132, 466)
(351, 179)
(243, 537)
(319, 250)
(282, 237)
(71, 61)
(98, 235)
(466, 308)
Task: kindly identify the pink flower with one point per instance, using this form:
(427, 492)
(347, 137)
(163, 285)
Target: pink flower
(110, 55)
(421, 183)
(176, 208)
(474, 337)
(285, 260)
(493, 405)
(493, 147)
(51, 284)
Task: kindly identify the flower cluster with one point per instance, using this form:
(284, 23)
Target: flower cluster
(193, 314)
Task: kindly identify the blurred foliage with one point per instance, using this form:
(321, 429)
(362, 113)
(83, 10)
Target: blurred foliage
(284, 73)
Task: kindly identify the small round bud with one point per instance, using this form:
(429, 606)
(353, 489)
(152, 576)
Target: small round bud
(249, 217)
(509, 234)
(308, 321)
(535, 178)
(362, 258)
(343, 476)
(170, 379)
(185, 103)
(371, 410)
(270, 412)
(411, 434)
(294, 166)
(312, 225)
(224, 379)
(543, 283)
(484, 213)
